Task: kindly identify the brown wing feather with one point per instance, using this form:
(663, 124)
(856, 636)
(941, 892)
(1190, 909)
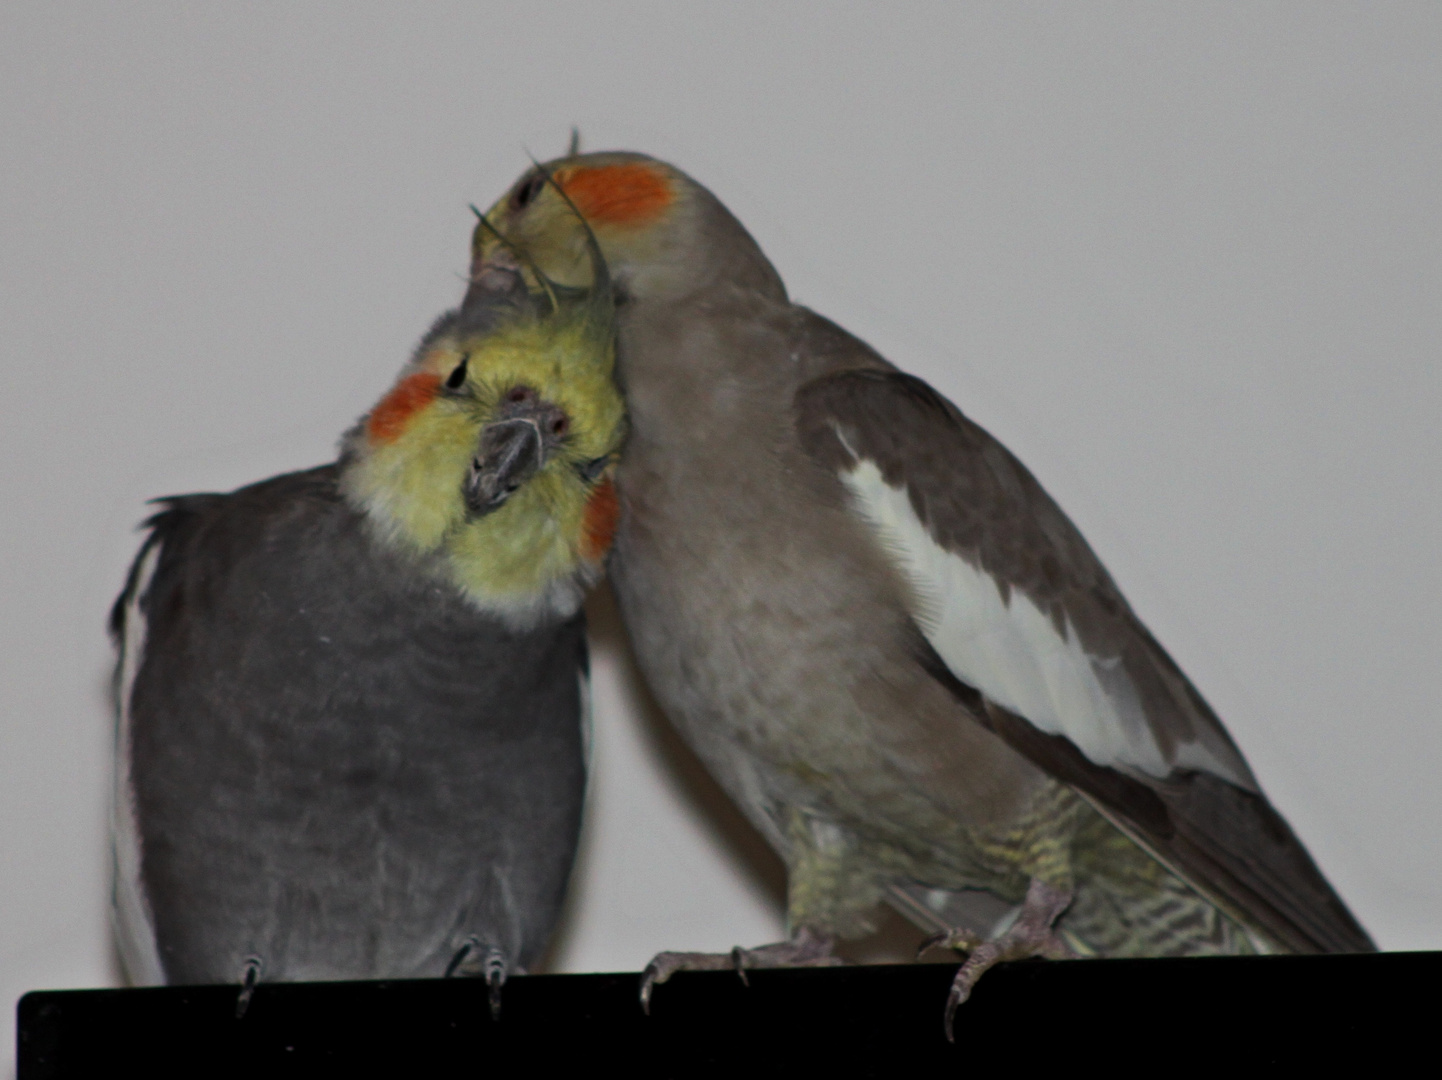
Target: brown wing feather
(977, 501)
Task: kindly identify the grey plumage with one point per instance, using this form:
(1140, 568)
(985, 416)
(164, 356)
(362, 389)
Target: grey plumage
(886, 641)
(351, 699)
(336, 764)
(979, 502)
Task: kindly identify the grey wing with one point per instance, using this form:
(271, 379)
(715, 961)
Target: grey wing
(131, 914)
(1027, 628)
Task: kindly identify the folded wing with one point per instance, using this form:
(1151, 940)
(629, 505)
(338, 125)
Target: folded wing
(1029, 631)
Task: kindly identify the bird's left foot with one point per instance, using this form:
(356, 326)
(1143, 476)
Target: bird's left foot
(1030, 935)
(806, 949)
(481, 959)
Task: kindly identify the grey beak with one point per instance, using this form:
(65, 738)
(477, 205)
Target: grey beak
(497, 294)
(510, 452)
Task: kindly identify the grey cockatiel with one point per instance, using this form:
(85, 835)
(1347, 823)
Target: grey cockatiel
(883, 637)
(351, 698)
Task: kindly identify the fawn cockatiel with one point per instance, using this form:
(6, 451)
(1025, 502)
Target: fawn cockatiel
(888, 644)
(352, 698)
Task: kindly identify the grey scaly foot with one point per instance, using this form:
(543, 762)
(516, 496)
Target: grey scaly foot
(665, 964)
(495, 979)
(492, 965)
(249, 976)
(1030, 935)
(807, 948)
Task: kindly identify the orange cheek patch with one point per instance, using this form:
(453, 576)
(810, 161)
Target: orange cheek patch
(629, 194)
(598, 527)
(411, 394)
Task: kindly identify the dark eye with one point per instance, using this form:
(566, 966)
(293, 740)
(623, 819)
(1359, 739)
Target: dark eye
(458, 377)
(589, 470)
(528, 191)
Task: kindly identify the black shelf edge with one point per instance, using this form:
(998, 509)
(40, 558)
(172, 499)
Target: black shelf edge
(857, 1021)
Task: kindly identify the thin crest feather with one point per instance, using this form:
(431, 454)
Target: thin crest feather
(602, 300)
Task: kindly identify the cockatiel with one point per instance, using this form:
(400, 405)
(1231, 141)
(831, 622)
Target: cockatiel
(885, 640)
(351, 699)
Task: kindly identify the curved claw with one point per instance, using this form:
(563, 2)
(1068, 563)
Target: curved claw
(975, 967)
(932, 941)
(963, 940)
(806, 949)
(665, 964)
(494, 967)
(495, 979)
(953, 999)
(738, 961)
(250, 975)
(496, 972)
(1030, 935)
(470, 945)
(649, 978)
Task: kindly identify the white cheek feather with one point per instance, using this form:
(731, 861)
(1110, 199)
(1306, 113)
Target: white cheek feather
(1012, 652)
(134, 927)
(555, 601)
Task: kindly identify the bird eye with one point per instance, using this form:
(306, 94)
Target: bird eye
(589, 470)
(458, 377)
(528, 191)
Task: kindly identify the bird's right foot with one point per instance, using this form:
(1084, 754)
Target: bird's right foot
(1030, 935)
(474, 957)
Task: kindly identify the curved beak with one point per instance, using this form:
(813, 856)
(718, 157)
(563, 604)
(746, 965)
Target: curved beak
(509, 454)
(497, 293)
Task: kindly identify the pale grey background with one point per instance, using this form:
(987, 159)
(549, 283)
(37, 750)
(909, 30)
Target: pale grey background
(1183, 259)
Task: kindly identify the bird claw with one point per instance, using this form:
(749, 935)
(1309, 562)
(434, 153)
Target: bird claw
(1030, 935)
(495, 979)
(493, 967)
(665, 964)
(738, 961)
(806, 949)
(250, 976)
(959, 939)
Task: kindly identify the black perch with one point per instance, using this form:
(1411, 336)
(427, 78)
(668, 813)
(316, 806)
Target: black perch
(1128, 1017)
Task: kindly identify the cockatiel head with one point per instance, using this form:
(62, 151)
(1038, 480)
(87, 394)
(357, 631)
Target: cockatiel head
(662, 234)
(492, 455)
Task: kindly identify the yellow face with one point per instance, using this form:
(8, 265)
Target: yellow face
(495, 451)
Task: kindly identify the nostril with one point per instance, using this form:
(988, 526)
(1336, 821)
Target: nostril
(520, 394)
(560, 425)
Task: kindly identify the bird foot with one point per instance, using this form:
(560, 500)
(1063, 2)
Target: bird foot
(485, 960)
(1030, 935)
(249, 976)
(806, 949)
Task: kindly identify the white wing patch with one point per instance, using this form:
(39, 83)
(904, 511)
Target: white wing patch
(1012, 652)
(134, 926)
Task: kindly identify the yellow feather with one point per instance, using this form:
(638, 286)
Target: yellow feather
(527, 555)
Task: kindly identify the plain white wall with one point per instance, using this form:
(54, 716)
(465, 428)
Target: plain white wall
(1183, 259)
